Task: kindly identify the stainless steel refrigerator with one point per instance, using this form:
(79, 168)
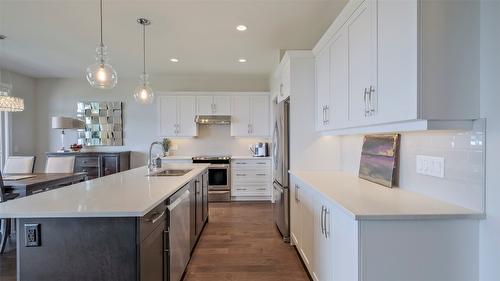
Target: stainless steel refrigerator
(280, 165)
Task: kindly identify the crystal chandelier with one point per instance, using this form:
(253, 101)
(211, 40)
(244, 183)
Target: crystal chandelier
(143, 93)
(101, 74)
(7, 102)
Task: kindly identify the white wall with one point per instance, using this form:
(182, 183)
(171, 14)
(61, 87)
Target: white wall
(490, 103)
(23, 134)
(59, 97)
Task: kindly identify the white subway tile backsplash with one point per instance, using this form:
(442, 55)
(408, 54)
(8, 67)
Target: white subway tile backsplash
(464, 154)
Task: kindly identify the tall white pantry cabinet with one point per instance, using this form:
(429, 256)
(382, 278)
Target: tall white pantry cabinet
(411, 63)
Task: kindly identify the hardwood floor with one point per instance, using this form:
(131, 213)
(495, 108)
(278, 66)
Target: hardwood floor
(8, 262)
(241, 242)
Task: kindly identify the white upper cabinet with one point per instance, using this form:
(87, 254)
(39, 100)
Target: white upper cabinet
(167, 108)
(411, 65)
(213, 105)
(250, 116)
(332, 84)
(337, 113)
(177, 114)
(361, 31)
(283, 77)
(260, 115)
(322, 89)
(205, 105)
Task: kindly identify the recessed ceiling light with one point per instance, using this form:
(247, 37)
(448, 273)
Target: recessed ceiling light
(241, 27)
(242, 60)
(174, 60)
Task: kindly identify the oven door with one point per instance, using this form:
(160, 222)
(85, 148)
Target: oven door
(219, 177)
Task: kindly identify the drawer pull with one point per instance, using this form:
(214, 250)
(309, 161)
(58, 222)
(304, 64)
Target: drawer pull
(155, 217)
(241, 175)
(241, 189)
(261, 175)
(261, 188)
(261, 163)
(241, 163)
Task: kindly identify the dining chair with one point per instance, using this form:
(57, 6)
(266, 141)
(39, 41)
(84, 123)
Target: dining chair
(19, 165)
(5, 224)
(60, 164)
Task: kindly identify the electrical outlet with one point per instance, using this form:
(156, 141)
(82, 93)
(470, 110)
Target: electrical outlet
(430, 166)
(32, 235)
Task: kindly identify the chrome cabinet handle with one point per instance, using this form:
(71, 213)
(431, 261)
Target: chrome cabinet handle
(371, 108)
(261, 188)
(322, 216)
(155, 217)
(327, 229)
(297, 188)
(281, 89)
(365, 97)
(262, 175)
(241, 189)
(242, 175)
(327, 113)
(324, 117)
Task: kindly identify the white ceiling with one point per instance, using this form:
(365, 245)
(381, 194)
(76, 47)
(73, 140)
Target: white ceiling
(57, 38)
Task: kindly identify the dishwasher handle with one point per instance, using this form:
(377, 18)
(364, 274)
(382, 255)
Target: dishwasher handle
(178, 200)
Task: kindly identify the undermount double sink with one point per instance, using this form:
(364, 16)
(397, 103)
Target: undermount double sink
(170, 173)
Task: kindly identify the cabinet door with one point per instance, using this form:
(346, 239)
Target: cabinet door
(285, 82)
(295, 222)
(337, 111)
(397, 60)
(322, 88)
(323, 250)
(199, 205)
(205, 105)
(362, 63)
(308, 224)
(222, 105)
(260, 116)
(240, 116)
(186, 108)
(110, 165)
(168, 116)
(204, 184)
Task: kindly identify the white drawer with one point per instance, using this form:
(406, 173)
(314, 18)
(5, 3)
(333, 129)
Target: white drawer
(251, 177)
(251, 164)
(250, 190)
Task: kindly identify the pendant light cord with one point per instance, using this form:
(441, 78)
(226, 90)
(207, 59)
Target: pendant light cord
(102, 44)
(144, 48)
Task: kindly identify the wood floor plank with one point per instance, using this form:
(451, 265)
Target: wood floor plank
(241, 243)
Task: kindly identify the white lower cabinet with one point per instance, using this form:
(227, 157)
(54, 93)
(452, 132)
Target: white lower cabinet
(251, 179)
(335, 246)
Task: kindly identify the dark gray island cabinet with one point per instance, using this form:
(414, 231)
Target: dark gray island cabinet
(113, 244)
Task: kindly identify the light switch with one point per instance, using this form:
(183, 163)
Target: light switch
(430, 166)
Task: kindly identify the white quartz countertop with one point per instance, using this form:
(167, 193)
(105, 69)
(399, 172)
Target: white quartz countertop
(127, 194)
(364, 200)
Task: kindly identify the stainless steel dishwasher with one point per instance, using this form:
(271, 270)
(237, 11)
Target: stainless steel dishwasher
(179, 238)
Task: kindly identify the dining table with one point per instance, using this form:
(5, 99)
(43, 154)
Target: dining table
(29, 184)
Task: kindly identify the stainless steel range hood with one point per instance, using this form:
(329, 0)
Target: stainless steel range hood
(213, 119)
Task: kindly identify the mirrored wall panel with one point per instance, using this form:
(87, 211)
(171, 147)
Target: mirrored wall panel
(103, 123)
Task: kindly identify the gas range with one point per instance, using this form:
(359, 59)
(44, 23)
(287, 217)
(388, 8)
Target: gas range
(219, 177)
(224, 159)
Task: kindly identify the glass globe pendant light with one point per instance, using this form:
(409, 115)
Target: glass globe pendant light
(101, 74)
(143, 93)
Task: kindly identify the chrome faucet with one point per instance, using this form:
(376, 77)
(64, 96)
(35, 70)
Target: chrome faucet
(151, 164)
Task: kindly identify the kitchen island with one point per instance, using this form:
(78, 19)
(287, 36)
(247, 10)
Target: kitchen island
(118, 227)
